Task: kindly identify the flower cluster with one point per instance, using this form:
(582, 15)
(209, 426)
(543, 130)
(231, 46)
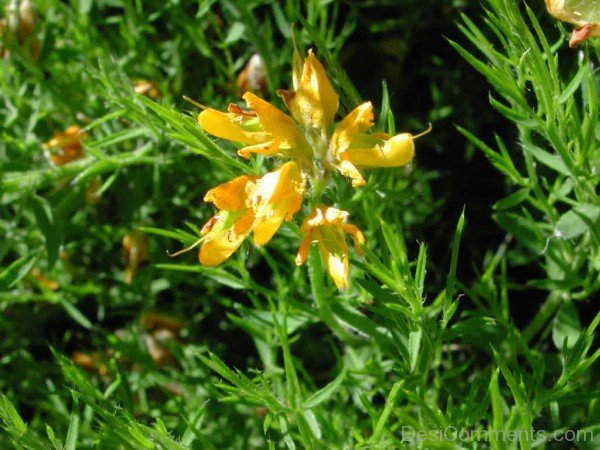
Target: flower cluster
(314, 147)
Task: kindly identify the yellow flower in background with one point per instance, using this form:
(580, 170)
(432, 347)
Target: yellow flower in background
(585, 14)
(146, 87)
(250, 204)
(326, 227)
(135, 250)
(66, 146)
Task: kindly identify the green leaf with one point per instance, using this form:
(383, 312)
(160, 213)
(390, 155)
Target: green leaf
(50, 225)
(235, 33)
(325, 393)
(478, 331)
(75, 314)
(555, 162)
(73, 431)
(16, 271)
(10, 416)
(512, 200)
(580, 219)
(566, 327)
(522, 229)
(414, 346)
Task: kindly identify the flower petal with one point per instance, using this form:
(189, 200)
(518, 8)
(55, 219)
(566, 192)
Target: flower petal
(277, 197)
(233, 195)
(224, 234)
(357, 236)
(302, 255)
(230, 126)
(274, 121)
(217, 247)
(348, 169)
(397, 151)
(334, 251)
(359, 120)
(266, 148)
(315, 101)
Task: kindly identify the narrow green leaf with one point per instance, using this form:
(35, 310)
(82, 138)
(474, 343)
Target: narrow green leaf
(580, 219)
(326, 392)
(16, 271)
(73, 431)
(50, 225)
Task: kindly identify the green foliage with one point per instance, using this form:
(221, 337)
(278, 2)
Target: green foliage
(259, 353)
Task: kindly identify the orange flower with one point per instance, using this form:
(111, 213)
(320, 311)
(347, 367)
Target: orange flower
(66, 146)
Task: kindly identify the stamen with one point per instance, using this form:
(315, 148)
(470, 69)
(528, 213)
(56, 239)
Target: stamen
(194, 102)
(185, 250)
(423, 133)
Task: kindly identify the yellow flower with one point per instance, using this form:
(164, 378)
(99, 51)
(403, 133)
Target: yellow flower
(250, 204)
(66, 145)
(585, 14)
(314, 104)
(309, 134)
(135, 250)
(351, 148)
(326, 227)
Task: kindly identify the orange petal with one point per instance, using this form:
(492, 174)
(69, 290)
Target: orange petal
(233, 195)
(302, 255)
(357, 236)
(277, 197)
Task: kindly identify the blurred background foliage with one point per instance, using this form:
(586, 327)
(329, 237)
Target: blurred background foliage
(108, 342)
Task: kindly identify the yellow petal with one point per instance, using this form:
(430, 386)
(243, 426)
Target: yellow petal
(334, 251)
(277, 197)
(359, 120)
(224, 234)
(230, 126)
(397, 151)
(267, 148)
(216, 248)
(348, 169)
(268, 224)
(277, 123)
(315, 101)
(233, 195)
